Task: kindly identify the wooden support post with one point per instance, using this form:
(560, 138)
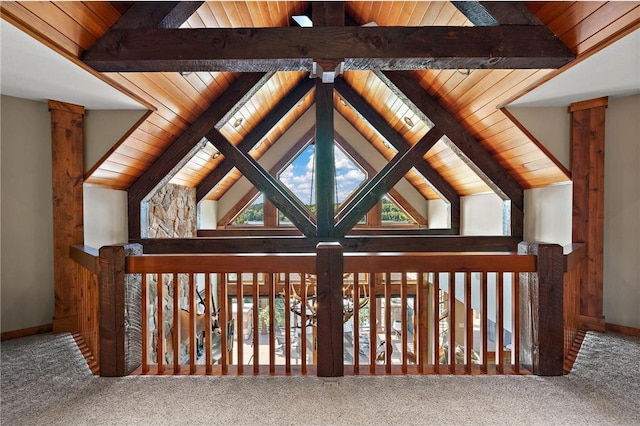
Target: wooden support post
(541, 306)
(67, 130)
(324, 160)
(120, 327)
(329, 267)
(587, 173)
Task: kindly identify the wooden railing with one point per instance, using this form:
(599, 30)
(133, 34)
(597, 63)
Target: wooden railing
(575, 255)
(86, 282)
(420, 313)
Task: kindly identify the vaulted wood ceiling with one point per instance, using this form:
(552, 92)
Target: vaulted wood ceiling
(248, 106)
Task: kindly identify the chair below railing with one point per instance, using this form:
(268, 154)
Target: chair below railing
(330, 314)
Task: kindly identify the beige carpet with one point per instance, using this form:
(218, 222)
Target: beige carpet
(603, 388)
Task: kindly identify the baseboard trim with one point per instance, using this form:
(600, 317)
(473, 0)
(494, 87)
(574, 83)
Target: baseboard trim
(16, 334)
(623, 329)
(592, 323)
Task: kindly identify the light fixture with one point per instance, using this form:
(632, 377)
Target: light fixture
(238, 122)
(185, 73)
(464, 72)
(408, 121)
(215, 155)
(343, 102)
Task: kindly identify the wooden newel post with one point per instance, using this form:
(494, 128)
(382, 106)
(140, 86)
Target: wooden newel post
(330, 346)
(541, 311)
(120, 312)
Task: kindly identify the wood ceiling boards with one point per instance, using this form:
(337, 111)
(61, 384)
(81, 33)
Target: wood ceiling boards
(178, 100)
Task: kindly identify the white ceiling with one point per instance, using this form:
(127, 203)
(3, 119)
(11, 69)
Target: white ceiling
(613, 72)
(30, 70)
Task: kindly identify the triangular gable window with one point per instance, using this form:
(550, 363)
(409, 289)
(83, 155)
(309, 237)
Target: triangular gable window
(392, 214)
(253, 214)
(299, 177)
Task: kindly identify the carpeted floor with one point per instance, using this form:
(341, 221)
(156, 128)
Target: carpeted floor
(46, 382)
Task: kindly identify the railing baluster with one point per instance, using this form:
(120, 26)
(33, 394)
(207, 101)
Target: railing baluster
(421, 344)
(515, 339)
(160, 324)
(468, 341)
(436, 322)
(287, 324)
(208, 313)
(303, 325)
(452, 323)
(176, 325)
(373, 323)
(192, 325)
(145, 325)
(500, 322)
(483, 320)
(356, 324)
(240, 321)
(224, 316)
(387, 323)
(404, 329)
(255, 317)
(270, 282)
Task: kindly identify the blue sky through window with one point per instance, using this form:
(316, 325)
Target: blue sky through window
(299, 175)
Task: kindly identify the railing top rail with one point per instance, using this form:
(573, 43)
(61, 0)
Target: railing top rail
(353, 262)
(439, 262)
(243, 262)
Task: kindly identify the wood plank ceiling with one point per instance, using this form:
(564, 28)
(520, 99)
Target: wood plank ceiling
(176, 100)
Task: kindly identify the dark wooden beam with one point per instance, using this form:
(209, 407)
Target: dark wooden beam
(255, 135)
(159, 173)
(491, 13)
(404, 243)
(330, 340)
(327, 13)
(157, 14)
(386, 178)
(283, 231)
(324, 159)
(277, 168)
(393, 193)
(462, 143)
(375, 120)
(273, 189)
(291, 49)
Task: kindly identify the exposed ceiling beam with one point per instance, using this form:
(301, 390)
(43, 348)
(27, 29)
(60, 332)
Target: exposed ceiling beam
(381, 183)
(371, 171)
(492, 13)
(376, 121)
(273, 189)
(327, 13)
(273, 171)
(324, 160)
(157, 14)
(462, 143)
(256, 135)
(295, 49)
(160, 172)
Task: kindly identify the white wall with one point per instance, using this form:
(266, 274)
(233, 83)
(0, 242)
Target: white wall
(103, 129)
(26, 205)
(551, 126)
(547, 214)
(548, 210)
(105, 217)
(27, 215)
(622, 212)
(481, 214)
